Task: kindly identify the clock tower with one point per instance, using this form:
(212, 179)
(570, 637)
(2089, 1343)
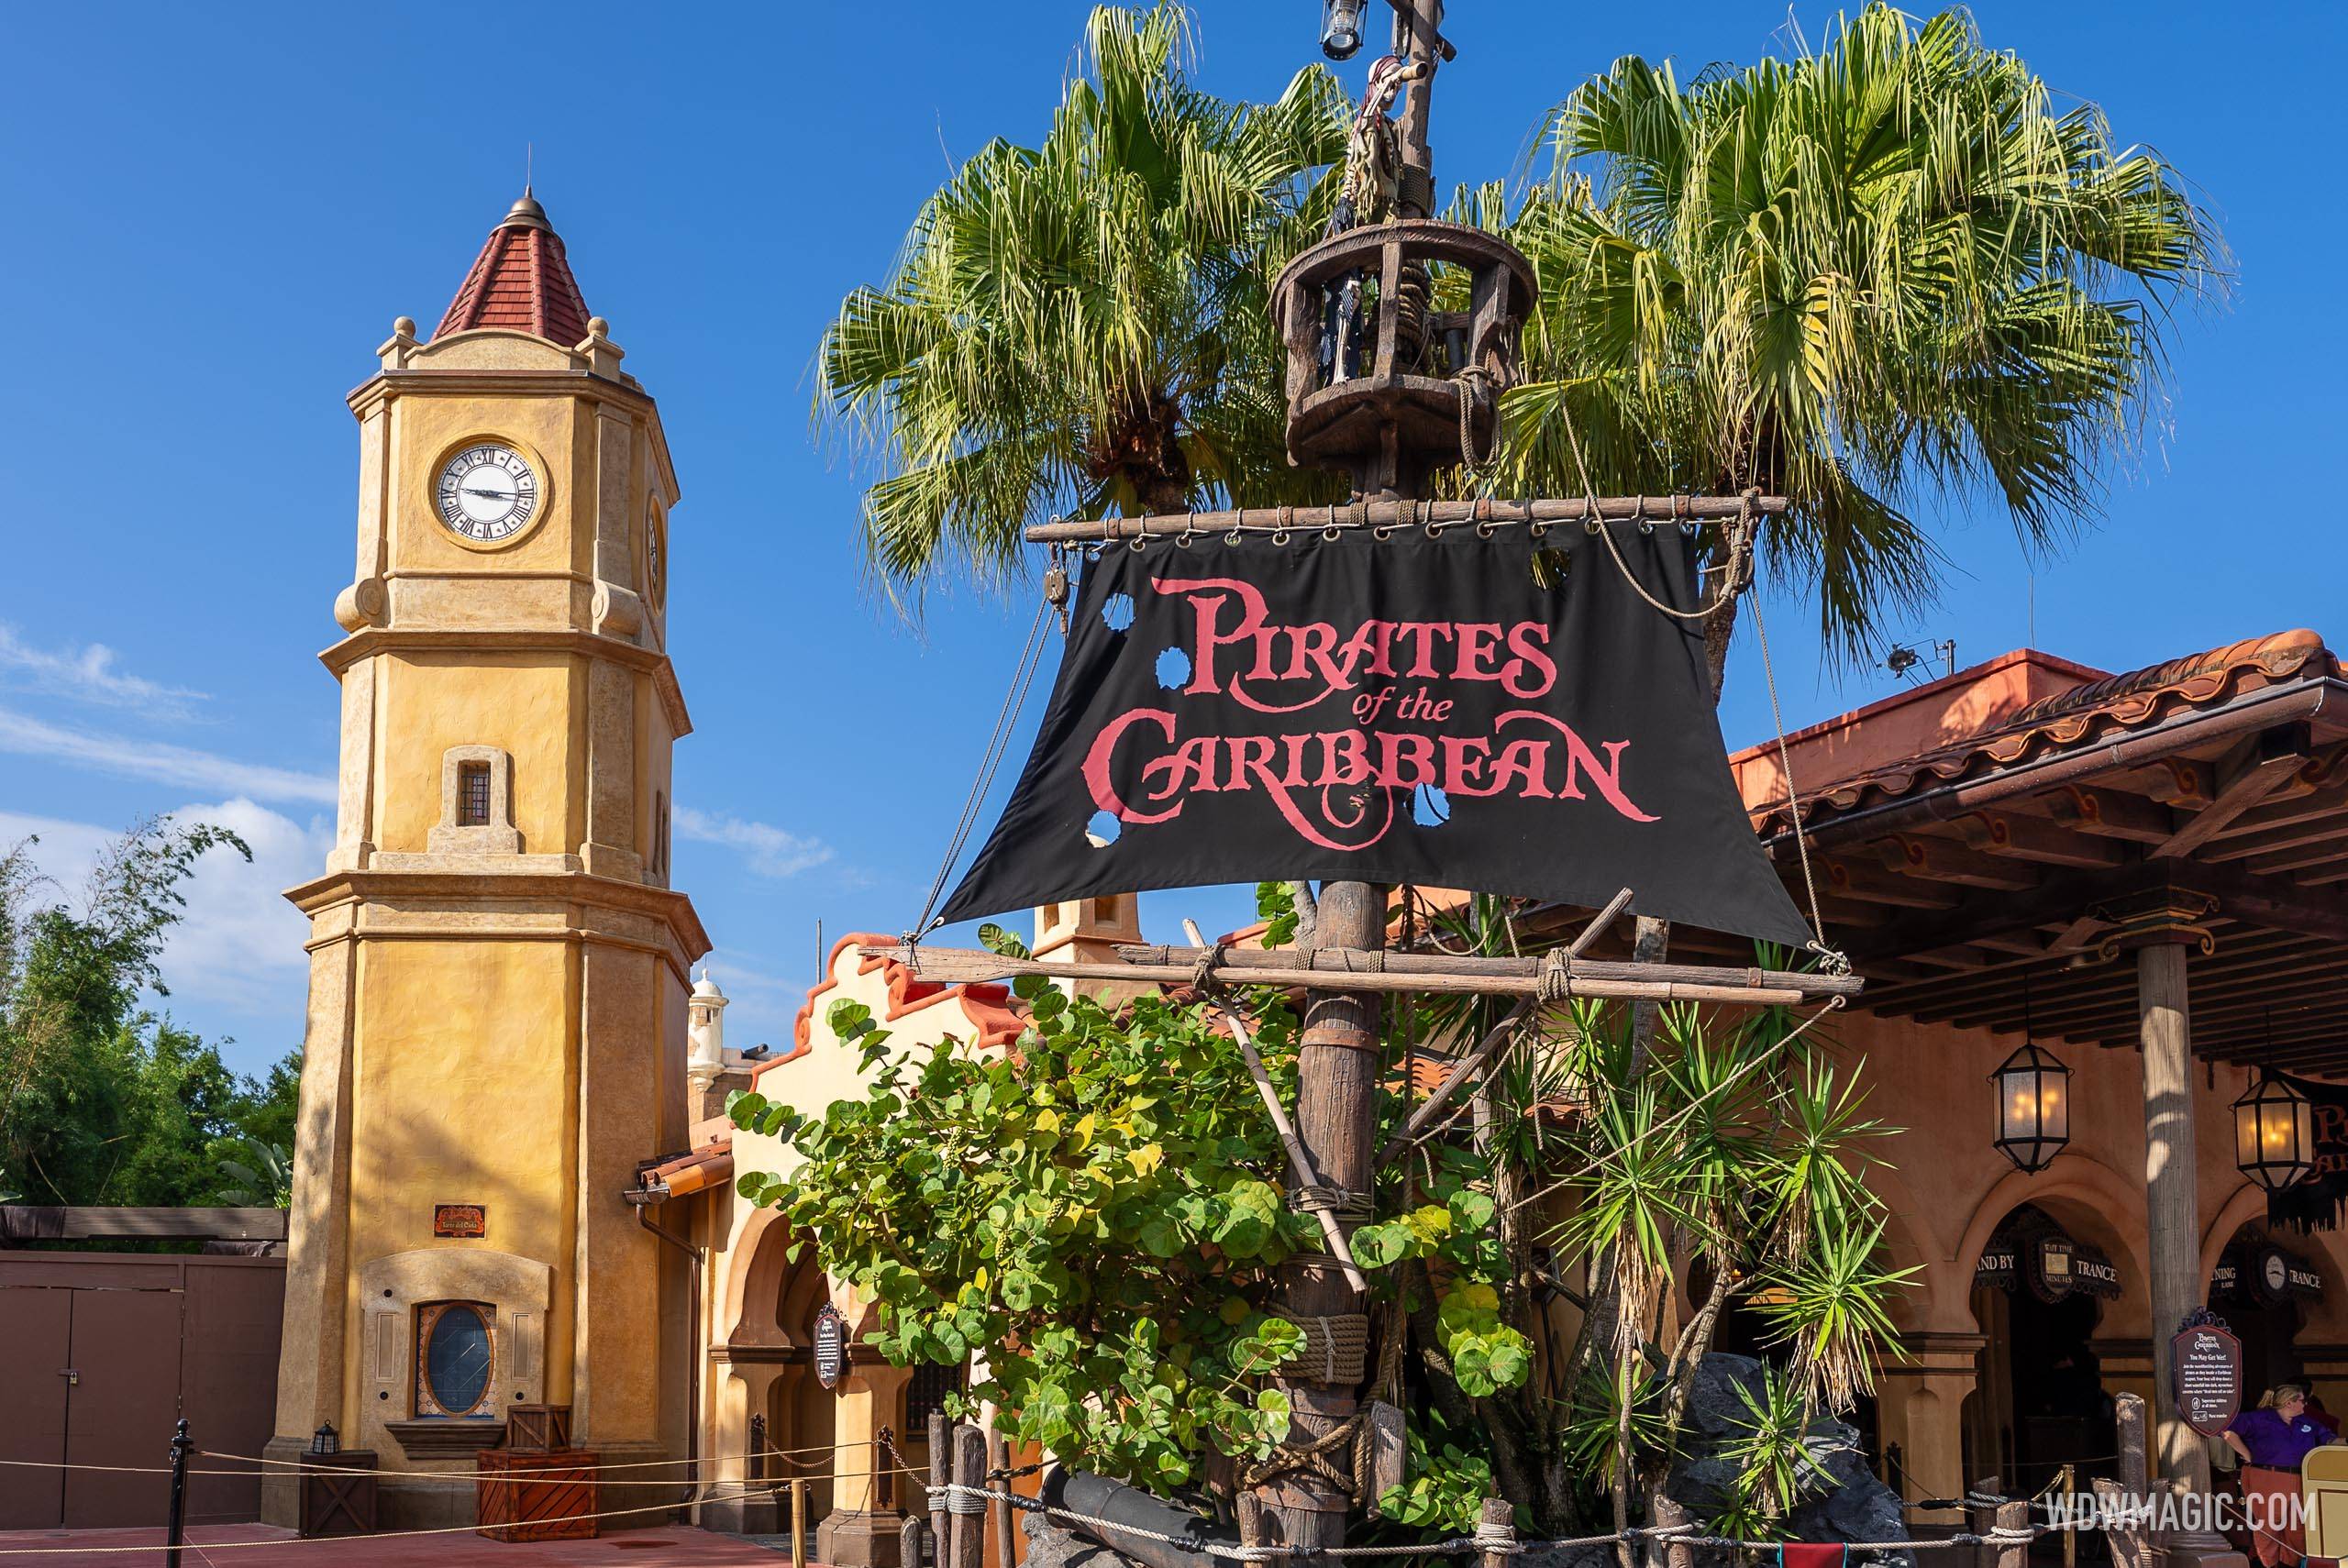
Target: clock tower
(499, 968)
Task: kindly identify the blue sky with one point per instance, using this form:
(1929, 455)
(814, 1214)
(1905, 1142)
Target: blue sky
(213, 214)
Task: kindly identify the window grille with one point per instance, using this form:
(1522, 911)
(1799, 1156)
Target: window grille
(472, 794)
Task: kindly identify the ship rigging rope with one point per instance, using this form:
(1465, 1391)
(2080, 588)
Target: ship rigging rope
(1005, 722)
(1737, 575)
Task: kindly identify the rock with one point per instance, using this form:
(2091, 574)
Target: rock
(1850, 1505)
(1051, 1545)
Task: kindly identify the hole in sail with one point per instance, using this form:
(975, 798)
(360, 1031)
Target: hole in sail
(1103, 829)
(1117, 611)
(1173, 669)
(1430, 807)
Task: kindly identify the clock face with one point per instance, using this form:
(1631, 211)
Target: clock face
(487, 494)
(656, 557)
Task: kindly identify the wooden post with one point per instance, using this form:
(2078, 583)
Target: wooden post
(1675, 1553)
(970, 1518)
(798, 1521)
(2012, 1515)
(941, 1471)
(1420, 20)
(1337, 1065)
(999, 1516)
(1496, 1533)
(909, 1541)
(2172, 1209)
(1981, 1517)
(2135, 1470)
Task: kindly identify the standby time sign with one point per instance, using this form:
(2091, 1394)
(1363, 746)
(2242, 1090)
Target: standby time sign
(1427, 711)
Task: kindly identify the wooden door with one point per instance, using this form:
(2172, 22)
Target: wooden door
(125, 1397)
(36, 1327)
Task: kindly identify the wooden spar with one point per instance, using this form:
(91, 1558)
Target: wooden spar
(1489, 977)
(1298, 1161)
(1401, 514)
(1461, 1070)
(1340, 967)
(1493, 1039)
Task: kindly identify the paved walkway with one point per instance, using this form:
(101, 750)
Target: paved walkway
(260, 1546)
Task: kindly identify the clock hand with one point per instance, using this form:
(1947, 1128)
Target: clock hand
(492, 494)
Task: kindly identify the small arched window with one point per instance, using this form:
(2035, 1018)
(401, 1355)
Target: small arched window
(455, 1348)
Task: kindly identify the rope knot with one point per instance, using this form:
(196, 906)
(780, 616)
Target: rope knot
(1553, 981)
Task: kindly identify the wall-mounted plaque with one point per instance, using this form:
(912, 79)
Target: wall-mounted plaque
(2205, 1369)
(467, 1220)
(831, 1346)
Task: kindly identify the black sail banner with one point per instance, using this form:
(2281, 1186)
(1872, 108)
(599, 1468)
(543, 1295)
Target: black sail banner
(1413, 710)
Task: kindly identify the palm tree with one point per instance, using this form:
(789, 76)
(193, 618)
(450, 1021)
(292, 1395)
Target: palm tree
(1889, 276)
(1084, 325)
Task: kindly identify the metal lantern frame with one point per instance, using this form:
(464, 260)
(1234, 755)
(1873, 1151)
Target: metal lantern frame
(2275, 1134)
(2033, 1124)
(1344, 24)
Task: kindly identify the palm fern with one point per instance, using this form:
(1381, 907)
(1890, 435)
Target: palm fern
(1084, 325)
(1885, 278)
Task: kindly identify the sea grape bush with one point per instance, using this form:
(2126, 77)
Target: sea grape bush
(1097, 1215)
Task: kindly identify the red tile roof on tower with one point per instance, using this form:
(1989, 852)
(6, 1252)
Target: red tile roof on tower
(520, 282)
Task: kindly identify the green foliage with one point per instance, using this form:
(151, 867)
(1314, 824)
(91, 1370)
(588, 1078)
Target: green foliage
(1878, 279)
(1275, 907)
(1443, 1488)
(1085, 323)
(1098, 1219)
(1774, 1468)
(102, 1102)
(260, 1176)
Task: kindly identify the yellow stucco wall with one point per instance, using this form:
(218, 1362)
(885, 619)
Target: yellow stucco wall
(495, 1023)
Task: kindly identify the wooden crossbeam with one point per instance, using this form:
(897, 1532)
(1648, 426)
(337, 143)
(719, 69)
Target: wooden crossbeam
(2245, 789)
(1868, 885)
(1366, 970)
(1944, 860)
(2110, 813)
(1303, 520)
(2036, 839)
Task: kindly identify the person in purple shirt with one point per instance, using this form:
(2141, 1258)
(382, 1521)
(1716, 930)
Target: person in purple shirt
(2273, 1440)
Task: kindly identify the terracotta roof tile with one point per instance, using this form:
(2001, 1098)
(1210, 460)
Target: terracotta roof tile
(2081, 716)
(520, 281)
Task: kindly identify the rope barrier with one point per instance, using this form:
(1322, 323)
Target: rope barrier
(955, 1497)
(344, 1542)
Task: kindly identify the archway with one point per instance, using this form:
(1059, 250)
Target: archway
(775, 1421)
(2040, 1402)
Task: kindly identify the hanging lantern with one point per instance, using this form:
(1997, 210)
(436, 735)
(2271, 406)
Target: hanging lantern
(325, 1439)
(1341, 28)
(2273, 1134)
(2034, 1107)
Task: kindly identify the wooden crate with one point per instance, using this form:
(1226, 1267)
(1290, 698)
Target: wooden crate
(535, 1497)
(339, 1493)
(538, 1429)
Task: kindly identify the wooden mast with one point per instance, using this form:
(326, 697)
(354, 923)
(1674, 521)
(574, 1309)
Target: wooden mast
(1337, 1055)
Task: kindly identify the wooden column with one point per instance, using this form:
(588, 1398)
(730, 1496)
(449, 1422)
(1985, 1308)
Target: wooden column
(1336, 1079)
(2172, 1207)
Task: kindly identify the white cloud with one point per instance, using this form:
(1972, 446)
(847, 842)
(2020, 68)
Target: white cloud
(769, 851)
(183, 766)
(88, 675)
(239, 943)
